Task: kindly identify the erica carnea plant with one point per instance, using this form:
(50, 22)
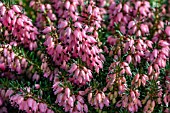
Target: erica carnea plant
(80, 56)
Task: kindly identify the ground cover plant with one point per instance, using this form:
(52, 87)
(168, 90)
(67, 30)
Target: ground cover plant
(84, 56)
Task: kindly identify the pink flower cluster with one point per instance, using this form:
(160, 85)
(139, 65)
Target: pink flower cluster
(130, 101)
(28, 105)
(81, 75)
(19, 25)
(99, 100)
(125, 13)
(71, 103)
(9, 60)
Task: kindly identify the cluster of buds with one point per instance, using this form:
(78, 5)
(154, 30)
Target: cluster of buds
(115, 80)
(4, 96)
(80, 75)
(151, 99)
(10, 60)
(124, 68)
(131, 17)
(92, 15)
(47, 72)
(159, 58)
(136, 48)
(117, 72)
(19, 25)
(149, 107)
(112, 96)
(28, 105)
(131, 101)
(139, 79)
(41, 19)
(71, 103)
(99, 100)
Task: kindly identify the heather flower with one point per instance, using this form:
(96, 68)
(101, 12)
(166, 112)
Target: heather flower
(15, 21)
(99, 100)
(167, 30)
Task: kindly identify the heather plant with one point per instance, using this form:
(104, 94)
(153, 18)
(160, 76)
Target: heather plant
(80, 56)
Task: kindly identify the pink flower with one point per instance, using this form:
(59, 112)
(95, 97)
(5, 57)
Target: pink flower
(16, 8)
(36, 77)
(123, 29)
(101, 105)
(11, 13)
(30, 102)
(137, 58)
(58, 90)
(129, 58)
(131, 107)
(131, 24)
(67, 4)
(42, 7)
(163, 43)
(32, 3)
(144, 28)
(71, 101)
(85, 108)
(42, 107)
(79, 106)
(59, 98)
(91, 39)
(138, 33)
(80, 99)
(150, 70)
(167, 30)
(67, 92)
(34, 106)
(132, 94)
(2, 66)
(89, 97)
(68, 31)
(63, 24)
(142, 10)
(119, 17)
(137, 77)
(128, 71)
(47, 30)
(89, 9)
(50, 111)
(78, 25)
(73, 68)
(106, 101)
(8, 93)
(1, 101)
(23, 106)
(126, 8)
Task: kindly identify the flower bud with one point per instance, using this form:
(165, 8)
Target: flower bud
(89, 97)
(150, 70)
(167, 30)
(67, 92)
(47, 30)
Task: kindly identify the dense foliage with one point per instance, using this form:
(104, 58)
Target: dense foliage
(79, 56)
